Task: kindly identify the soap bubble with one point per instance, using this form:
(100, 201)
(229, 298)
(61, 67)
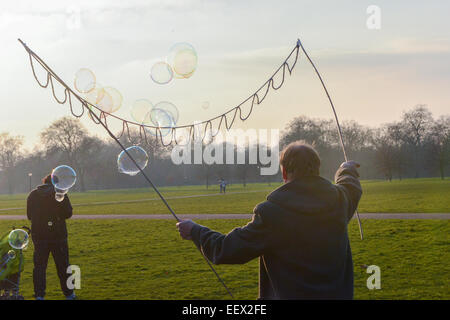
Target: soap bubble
(100, 98)
(84, 81)
(170, 108)
(127, 166)
(183, 59)
(161, 72)
(114, 98)
(11, 254)
(140, 111)
(104, 100)
(92, 95)
(163, 120)
(107, 99)
(63, 178)
(18, 239)
(205, 105)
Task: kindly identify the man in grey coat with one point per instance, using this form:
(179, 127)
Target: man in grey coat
(299, 233)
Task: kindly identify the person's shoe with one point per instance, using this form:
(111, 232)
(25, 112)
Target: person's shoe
(71, 297)
(39, 298)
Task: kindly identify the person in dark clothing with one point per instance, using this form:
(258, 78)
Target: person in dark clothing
(49, 235)
(299, 233)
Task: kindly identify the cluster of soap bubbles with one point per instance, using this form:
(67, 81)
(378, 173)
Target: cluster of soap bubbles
(17, 239)
(106, 98)
(127, 166)
(63, 178)
(163, 115)
(180, 63)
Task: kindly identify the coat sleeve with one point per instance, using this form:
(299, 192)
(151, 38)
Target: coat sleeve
(347, 181)
(239, 246)
(65, 208)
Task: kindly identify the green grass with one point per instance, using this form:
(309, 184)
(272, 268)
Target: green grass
(409, 196)
(146, 259)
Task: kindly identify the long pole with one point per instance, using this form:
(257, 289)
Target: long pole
(337, 122)
(125, 150)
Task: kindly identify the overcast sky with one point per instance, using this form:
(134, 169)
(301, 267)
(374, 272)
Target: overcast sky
(372, 75)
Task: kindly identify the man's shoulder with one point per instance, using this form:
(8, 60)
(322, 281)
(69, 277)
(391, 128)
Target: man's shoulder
(265, 208)
(32, 194)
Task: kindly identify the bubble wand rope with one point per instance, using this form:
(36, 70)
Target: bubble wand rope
(132, 159)
(299, 43)
(226, 119)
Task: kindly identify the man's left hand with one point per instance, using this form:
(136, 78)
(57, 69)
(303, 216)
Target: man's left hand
(185, 227)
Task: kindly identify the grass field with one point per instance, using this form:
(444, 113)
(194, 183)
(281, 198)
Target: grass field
(131, 259)
(146, 259)
(408, 196)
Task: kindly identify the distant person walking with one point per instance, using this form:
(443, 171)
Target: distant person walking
(299, 233)
(49, 235)
(224, 185)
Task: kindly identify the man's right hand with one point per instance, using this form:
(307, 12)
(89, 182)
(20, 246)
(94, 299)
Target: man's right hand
(350, 164)
(185, 227)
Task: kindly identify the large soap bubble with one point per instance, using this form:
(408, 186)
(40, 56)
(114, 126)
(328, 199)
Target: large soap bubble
(104, 100)
(113, 98)
(183, 60)
(63, 178)
(18, 239)
(127, 166)
(100, 98)
(170, 108)
(161, 72)
(163, 120)
(107, 99)
(84, 81)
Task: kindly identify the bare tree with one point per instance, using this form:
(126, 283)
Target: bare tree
(10, 154)
(313, 131)
(70, 137)
(438, 142)
(384, 152)
(395, 134)
(414, 128)
(356, 137)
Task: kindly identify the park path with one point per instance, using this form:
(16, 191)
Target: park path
(376, 216)
(147, 199)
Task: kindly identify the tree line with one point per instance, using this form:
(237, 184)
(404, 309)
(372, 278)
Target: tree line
(417, 145)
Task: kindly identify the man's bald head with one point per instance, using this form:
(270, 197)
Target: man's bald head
(299, 159)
